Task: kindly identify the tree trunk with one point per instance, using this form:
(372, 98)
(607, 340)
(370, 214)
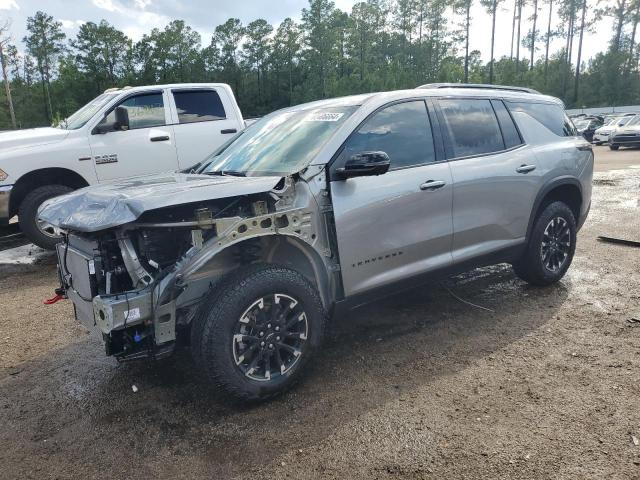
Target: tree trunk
(466, 46)
(548, 40)
(7, 87)
(518, 44)
(620, 13)
(534, 32)
(493, 37)
(579, 59)
(632, 43)
(513, 26)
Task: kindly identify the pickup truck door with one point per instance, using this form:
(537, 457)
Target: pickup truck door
(204, 118)
(147, 146)
(397, 225)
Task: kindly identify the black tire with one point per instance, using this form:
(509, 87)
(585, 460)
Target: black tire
(29, 209)
(213, 332)
(614, 147)
(540, 268)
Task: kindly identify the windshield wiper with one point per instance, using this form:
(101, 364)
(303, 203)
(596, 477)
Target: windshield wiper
(231, 173)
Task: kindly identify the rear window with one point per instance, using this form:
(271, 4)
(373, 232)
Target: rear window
(198, 106)
(550, 115)
(472, 127)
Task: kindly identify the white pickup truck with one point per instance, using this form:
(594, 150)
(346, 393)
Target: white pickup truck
(122, 133)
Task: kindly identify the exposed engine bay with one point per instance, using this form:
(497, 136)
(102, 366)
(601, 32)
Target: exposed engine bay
(142, 283)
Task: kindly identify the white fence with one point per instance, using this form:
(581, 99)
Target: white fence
(605, 110)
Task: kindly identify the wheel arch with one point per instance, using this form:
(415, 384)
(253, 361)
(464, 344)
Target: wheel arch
(39, 178)
(565, 189)
(281, 249)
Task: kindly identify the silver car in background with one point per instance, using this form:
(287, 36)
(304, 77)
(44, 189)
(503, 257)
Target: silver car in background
(316, 208)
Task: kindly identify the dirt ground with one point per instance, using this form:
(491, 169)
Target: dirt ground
(546, 385)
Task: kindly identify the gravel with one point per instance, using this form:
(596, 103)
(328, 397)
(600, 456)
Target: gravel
(419, 385)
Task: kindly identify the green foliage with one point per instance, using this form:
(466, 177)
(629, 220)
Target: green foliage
(379, 45)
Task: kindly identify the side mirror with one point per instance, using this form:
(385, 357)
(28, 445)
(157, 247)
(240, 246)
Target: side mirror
(122, 118)
(365, 164)
(121, 122)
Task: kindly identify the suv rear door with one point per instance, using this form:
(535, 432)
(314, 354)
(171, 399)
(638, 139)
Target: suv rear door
(203, 120)
(394, 226)
(495, 176)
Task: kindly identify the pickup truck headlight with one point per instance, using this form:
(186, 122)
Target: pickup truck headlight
(3, 175)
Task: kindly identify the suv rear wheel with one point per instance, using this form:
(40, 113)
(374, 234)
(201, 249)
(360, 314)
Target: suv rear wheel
(257, 331)
(614, 147)
(38, 232)
(551, 246)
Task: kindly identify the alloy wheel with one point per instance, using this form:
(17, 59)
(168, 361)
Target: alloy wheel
(556, 244)
(269, 337)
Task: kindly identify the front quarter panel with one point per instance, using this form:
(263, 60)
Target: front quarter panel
(72, 153)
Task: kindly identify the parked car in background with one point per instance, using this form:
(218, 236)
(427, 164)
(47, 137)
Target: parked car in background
(122, 133)
(586, 126)
(319, 207)
(627, 135)
(601, 135)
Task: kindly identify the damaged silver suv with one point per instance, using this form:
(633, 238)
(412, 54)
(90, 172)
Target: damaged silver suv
(316, 207)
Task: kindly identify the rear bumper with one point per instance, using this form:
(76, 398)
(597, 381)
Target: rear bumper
(5, 193)
(583, 217)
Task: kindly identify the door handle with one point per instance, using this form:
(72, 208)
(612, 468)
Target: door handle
(228, 130)
(431, 185)
(525, 168)
(161, 138)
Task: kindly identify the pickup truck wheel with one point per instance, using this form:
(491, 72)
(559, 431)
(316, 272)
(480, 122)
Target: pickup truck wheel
(551, 247)
(257, 331)
(38, 232)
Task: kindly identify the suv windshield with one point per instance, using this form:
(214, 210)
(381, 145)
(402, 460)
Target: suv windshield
(279, 144)
(82, 116)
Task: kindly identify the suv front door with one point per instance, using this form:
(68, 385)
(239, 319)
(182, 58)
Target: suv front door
(397, 225)
(147, 146)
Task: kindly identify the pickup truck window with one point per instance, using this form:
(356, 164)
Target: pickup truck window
(198, 106)
(281, 143)
(146, 110)
(402, 131)
(86, 113)
(472, 127)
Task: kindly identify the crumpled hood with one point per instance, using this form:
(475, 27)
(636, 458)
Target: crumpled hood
(112, 204)
(31, 137)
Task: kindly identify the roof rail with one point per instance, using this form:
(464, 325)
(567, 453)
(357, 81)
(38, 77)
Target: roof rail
(110, 90)
(479, 86)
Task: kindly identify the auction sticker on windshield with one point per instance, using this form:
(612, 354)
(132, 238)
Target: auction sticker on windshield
(323, 117)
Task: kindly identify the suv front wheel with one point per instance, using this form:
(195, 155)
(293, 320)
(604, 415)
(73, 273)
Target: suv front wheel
(551, 246)
(257, 330)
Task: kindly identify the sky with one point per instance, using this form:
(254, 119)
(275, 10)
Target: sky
(136, 17)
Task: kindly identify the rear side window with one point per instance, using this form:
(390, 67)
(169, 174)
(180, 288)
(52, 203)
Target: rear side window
(198, 106)
(550, 115)
(472, 127)
(509, 131)
(402, 131)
